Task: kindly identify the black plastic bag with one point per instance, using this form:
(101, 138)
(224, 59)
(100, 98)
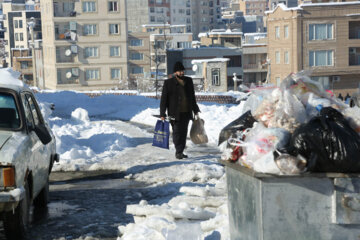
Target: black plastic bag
(243, 122)
(328, 143)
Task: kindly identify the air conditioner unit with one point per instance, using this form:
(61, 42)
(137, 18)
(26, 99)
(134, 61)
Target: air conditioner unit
(75, 72)
(74, 49)
(336, 78)
(353, 50)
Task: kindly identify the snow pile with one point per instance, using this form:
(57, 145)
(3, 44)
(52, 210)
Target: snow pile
(189, 200)
(201, 209)
(10, 77)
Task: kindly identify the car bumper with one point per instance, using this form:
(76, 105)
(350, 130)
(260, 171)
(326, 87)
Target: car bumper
(9, 200)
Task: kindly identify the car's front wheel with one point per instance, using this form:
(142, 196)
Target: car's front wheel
(42, 199)
(16, 222)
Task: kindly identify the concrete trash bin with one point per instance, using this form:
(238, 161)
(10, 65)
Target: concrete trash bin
(312, 206)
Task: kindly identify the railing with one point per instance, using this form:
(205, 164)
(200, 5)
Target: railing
(65, 14)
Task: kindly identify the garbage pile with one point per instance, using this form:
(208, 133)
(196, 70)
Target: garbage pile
(295, 128)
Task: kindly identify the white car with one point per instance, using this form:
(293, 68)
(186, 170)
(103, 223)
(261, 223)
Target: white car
(27, 154)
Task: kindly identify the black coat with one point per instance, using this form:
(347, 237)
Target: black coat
(170, 97)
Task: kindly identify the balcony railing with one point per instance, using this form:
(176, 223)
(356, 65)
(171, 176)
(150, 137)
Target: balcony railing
(65, 14)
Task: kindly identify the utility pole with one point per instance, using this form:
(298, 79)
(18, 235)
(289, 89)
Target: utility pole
(31, 25)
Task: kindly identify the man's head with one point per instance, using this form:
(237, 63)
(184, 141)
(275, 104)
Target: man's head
(179, 69)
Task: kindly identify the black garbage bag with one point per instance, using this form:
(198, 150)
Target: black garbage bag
(328, 143)
(243, 122)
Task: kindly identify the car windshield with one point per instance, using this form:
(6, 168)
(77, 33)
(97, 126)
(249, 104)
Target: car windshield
(9, 115)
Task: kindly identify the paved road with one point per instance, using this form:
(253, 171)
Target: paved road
(86, 204)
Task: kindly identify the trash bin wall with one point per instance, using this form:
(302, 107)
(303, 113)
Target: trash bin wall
(304, 207)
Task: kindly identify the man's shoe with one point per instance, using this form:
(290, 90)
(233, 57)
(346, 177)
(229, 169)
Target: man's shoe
(180, 156)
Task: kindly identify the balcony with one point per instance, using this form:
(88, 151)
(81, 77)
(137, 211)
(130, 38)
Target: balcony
(254, 67)
(67, 76)
(66, 54)
(66, 31)
(64, 9)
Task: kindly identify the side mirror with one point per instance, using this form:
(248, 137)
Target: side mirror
(43, 134)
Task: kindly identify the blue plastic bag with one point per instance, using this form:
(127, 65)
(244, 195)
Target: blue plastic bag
(161, 134)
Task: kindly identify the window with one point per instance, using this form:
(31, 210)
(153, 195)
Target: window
(21, 37)
(152, 18)
(92, 74)
(159, 1)
(277, 32)
(114, 51)
(321, 58)
(115, 73)
(68, 6)
(278, 81)
(89, 6)
(90, 29)
(320, 31)
(354, 56)
(113, 6)
(215, 76)
(137, 70)
(114, 29)
(286, 31)
(16, 23)
(235, 61)
(323, 80)
(286, 57)
(20, 24)
(136, 42)
(16, 37)
(277, 57)
(91, 52)
(136, 56)
(24, 65)
(354, 30)
(152, 10)
(184, 45)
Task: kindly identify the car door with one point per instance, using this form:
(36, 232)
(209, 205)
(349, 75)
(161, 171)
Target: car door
(40, 158)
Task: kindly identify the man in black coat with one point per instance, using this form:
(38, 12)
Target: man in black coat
(178, 98)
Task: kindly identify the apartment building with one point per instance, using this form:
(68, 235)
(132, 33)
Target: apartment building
(198, 16)
(323, 38)
(221, 37)
(255, 66)
(16, 17)
(288, 3)
(84, 44)
(139, 60)
(141, 12)
(253, 7)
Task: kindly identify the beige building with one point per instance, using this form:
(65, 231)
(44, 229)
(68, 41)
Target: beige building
(321, 37)
(253, 7)
(255, 66)
(211, 74)
(17, 35)
(84, 44)
(22, 62)
(221, 37)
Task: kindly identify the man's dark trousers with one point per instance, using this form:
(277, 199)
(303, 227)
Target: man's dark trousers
(180, 129)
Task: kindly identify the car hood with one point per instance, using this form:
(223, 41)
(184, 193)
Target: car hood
(4, 137)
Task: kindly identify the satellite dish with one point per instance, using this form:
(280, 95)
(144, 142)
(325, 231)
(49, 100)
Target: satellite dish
(195, 67)
(68, 52)
(68, 75)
